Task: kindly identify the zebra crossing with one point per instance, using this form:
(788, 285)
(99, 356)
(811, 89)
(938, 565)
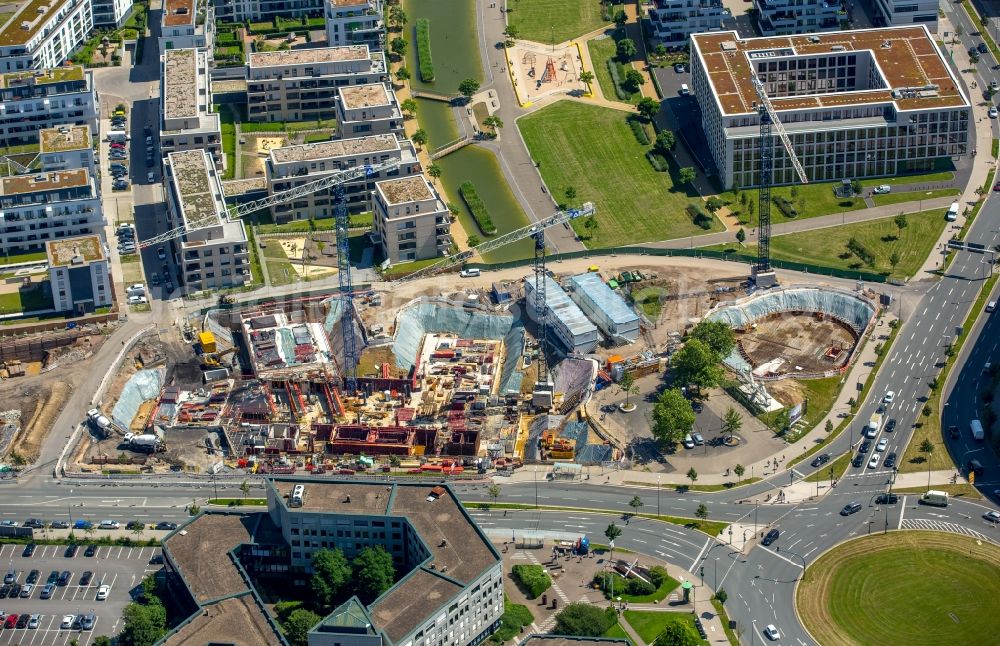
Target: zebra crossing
(937, 525)
(550, 621)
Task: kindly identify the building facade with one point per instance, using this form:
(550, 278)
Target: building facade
(566, 321)
(79, 274)
(187, 24)
(213, 254)
(36, 209)
(293, 166)
(111, 13)
(301, 84)
(186, 122)
(604, 307)
(674, 20)
(66, 148)
(896, 13)
(43, 33)
(354, 22)
(262, 10)
(864, 103)
(35, 100)
(784, 17)
(410, 221)
(368, 110)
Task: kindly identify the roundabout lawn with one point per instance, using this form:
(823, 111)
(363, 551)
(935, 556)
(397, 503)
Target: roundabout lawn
(914, 588)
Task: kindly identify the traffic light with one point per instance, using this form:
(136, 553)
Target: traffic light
(702, 571)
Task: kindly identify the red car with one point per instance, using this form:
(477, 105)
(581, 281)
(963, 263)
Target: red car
(996, 187)
(11, 621)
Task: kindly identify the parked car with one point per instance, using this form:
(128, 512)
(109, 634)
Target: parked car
(166, 525)
(102, 592)
(134, 300)
(882, 189)
(91, 550)
(87, 621)
(993, 112)
(11, 621)
(26, 590)
(771, 537)
(10, 577)
(679, 68)
(820, 460)
(34, 621)
(150, 177)
(33, 577)
(86, 577)
(48, 590)
(29, 549)
(71, 550)
(67, 621)
(64, 578)
(34, 523)
(59, 524)
(9, 523)
(992, 516)
(22, 621)
(53, 576)
(698, 439)
(161, 253)
(858, 460)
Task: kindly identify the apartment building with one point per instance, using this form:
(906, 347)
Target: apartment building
(111, 13)
(301, 84)
(368, 110)
(66, 148)
(43, 33)
(34, 100)
(292, 166)
(185, 100)
(861, 103)
(79, 274)
(783, 17)
(411, 221)
(674, 20)
(187, 24)
(213, 253)
(354, 22)
(895, 13)
(264, 10)
(36, 209)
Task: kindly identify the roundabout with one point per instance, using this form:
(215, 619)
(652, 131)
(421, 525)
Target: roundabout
(914, 588)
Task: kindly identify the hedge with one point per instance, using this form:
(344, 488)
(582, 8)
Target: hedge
(475, 204)
(532, 579)
(699, 217)
(617, 80)
(639, 131)
(658, 161)
(424, 60)
(785, 206)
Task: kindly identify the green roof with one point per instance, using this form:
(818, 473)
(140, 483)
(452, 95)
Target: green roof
(51, 75)
(34, 12)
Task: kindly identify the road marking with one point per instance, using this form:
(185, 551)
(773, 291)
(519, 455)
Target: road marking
(783, 558)
(698, 558)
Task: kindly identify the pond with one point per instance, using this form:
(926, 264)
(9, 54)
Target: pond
(454, 43)
(438, 121)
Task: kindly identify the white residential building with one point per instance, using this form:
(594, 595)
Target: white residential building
(263, 10)
(79, 274)
(36, 209)
(895, 13)
(213, 253)
(34, 100)
(66, 148)
(411, 221)
(354, 22)
(185, 103)
(368, 110)
(301, 84)
(293, 166)
(43, 33)
(860, 103)
(783, 17)
(111, 13)
(185, 24)
(674, 20)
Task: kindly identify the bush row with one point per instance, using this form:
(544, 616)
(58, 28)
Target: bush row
(699, 217)
(862, 252)
(424, 60)
(475, 204)
(785, 206)
(658, 161)
(616, 78)
(638, 130)
(532, 579)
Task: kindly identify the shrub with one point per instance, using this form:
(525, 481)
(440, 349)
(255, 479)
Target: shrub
(785, 206)
(424, 60)
(616, 78)
(514, 617)
(658, 574)
(639, 131)
(638, 587)
(699, 217)
(714, 204)
(861, 251)
(475, 204)
(532, 579)
(658, 162)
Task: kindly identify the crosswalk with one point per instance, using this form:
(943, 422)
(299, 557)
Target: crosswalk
(550, 621)
(937, 525)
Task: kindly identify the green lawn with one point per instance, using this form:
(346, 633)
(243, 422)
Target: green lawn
(820, 393)
(25, 300)
(601, 51)
(616, 632)
(543, 20)
(31, 256)
(661, 593)
(913, 196)
(228, 128)
(279, 268)
(593, 149)
(5, 16)
(648, 625)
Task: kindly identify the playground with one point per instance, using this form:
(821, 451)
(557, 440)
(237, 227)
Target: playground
(541, 70)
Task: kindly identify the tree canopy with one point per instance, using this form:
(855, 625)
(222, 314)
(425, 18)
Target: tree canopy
(374, 573)
(298, 624)
(584, 620)
(697, 364)
(331, 575)
(673, 417)
(717, 335)
(677, 634)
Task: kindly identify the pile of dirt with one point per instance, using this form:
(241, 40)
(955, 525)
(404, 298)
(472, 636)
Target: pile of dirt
(40, 405)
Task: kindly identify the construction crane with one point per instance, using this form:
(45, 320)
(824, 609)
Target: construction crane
(338, 178)
(342, 223)
(763, 275)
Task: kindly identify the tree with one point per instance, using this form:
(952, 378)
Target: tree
(894, 259)
(434, 171)
(397, 16)
(138, 529)
(584, 620)
(717, 335)
(474, 240)
(625, 49)
(374, 573)
(626, 385)
(666, 140)
(701, 512)
(245, 488)
(676, 634)
(468, 87)
(570, 193)
(829, 426)
(620, 19)
(402, 74)
(927, 447)
(398, 46)
(635, 504)
(696, 364)
(741, 236)
(673, 417)
(612, 532)
(145, 624)
(101, 640)
(692, 475)
(732, 422)
(298, 624)
(331, 577)
(511, 32)
(900, 221)
(493, 491)
(633, 80)
(419, 137)
(648, 107)
(194, 509)
(590, 224)
(739, 470)
(494, 122)
(587, 77)
(687, 175)
(409, 106)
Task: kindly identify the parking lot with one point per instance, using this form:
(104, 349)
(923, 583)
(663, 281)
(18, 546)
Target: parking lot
(120, 568)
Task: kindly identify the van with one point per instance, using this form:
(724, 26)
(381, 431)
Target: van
(118, 135)
(685, 90)
(977, 430)
(295, 499)
(935, 498)
(469, 273)
(953, 212)
(976, 467)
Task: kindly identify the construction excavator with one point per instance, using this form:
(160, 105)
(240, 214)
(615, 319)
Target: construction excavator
(210, 361)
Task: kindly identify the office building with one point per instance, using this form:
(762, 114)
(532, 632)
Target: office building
(354, 22)
(35, 100)
(38, 208)
(368, 110)
(784, 17)
(566, 321)
(896, 13)
(66, 148)
(449, 589)
(265, 10)
(674, 20)
(292, 166)
(79, 274)
(411, 221)
(43, 33)
(301, 84)
(187, 24)
(111, 13)
(862, 103)
(185, 103)
(213, 253)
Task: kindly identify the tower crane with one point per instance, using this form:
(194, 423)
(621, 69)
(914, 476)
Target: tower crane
(763, 275)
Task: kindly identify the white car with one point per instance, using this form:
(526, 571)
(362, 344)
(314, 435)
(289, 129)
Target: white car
(881, 446)
(136, 287)
(34, 621)
(993, 113)
(882, 189)
(992, 516)
(873, 463)
(137, 300)
(889, 397)
(161, 253)
(102, 592)
(67, 621)
(109, 524)
(772, 633)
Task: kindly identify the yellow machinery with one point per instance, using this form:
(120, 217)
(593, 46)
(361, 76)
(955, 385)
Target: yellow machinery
(207, 342)
(215, 360)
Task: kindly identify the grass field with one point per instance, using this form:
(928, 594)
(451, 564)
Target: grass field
(601, 51)
(913, 588)
(279, 269)
(593, 150)
(543, 20)
(897, 198)
(616, 632)
(957, 490)
(31, 256)
(648, 625)
(25, 300)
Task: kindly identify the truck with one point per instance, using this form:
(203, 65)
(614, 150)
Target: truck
(977, 430)
(146, 442)
(935, 498)
(98, 420)
(119, 136)
(874, 424)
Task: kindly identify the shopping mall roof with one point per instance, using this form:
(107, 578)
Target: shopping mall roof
(913, 68)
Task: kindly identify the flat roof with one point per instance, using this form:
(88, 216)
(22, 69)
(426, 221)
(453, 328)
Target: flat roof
(192, 175)
(180, 87)
(336, 148)
(40, 182)
(408, 604)
(405, 189)
(562, 640)
(340, 497)
(179, 12)
(364, 96)
(200, 552)
(63, 251)
(590, 285)
(563, 308)
(309, 56)
(34, 14)
(348, 3)
(907, 57)
(219, 623)
(63, 138)
(43, 77)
